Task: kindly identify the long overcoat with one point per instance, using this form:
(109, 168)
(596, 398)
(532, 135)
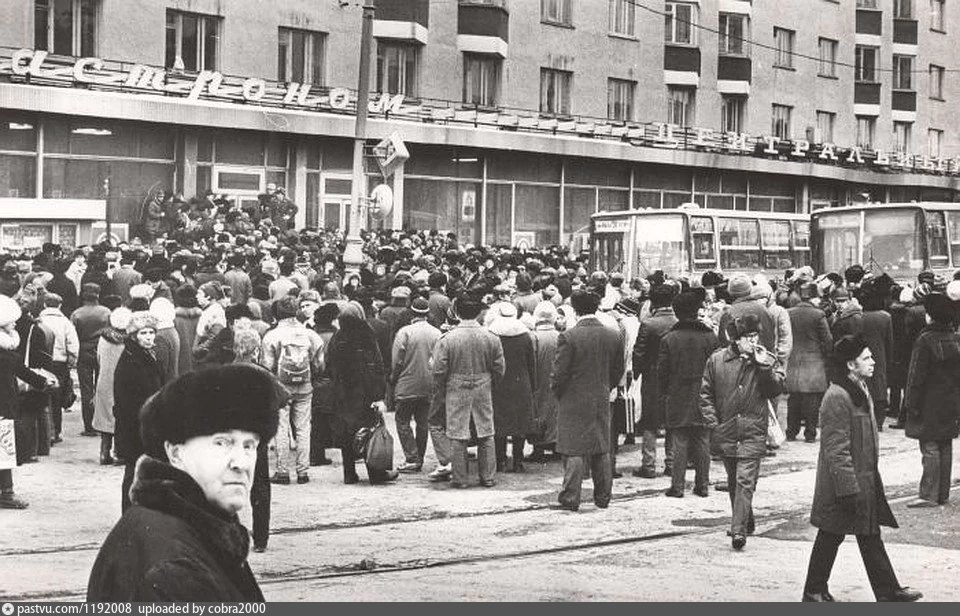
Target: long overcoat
(812, 344)
(588, 364)
(137, 377)
(848, 465)
(684, 352)
(544, 400)
(933, 385)
(109, 348)
(513, 394)
(878, 333)
(646, 350)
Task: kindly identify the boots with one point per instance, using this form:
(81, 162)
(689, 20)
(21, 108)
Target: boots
(106, 443)
(518, 443)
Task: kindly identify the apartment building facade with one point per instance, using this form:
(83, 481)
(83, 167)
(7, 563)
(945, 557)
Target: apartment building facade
(522, 117)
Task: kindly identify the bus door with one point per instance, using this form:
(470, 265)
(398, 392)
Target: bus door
(609, 236)
(938, 248)
(703, 241)
(801, 243)
(775, 242)
(953, 231)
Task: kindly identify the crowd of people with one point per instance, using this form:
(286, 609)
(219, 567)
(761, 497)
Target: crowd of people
(476, 346)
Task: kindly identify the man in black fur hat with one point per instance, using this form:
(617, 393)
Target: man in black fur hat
(181, 540)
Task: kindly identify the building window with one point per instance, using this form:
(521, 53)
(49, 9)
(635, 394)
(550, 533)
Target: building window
(733, 31)
(679, 23)
(680, 105)
(934, 139)
(903, 9)
(937, 22)
(865, 126)
(620, 99)
(623, 17)
(825, 122)
(936, 81)
(193, 41)
(732, 113)
(902, 72)
(555, 91)
(901, 136)
(300, 56)
(783, 39)
(481, 79)
(66, 27)
(556, 12)
(780, 126)
(866, 4)
(865, 68)
(397, 68)
(828, 57)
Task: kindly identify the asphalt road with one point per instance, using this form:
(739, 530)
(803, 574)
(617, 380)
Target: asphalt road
(415, 540)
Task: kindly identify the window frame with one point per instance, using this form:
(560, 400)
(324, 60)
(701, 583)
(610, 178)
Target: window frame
(613, 85)
(784, 58)
(483, 62)
(870, 122)
(557, 12)
(624, 11)
(935, 83)
(938, 17)
(903, 9)
(671, 23)
(203, 21)
(688, 104)
(405, 51)
(310, 59)
(902, 136)
(901, 76)
(724, 38)
(832, 117)
(785, 123)
(938, 133)
(859, 64)
(867, 4)
(76, 25)
(552, 78)
(739, 105)
(834, 46)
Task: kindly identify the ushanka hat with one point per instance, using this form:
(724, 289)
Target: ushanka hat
(203, 402)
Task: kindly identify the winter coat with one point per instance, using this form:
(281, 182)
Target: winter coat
(124, 278)
(89, 322)
(742, 307)
(211, 321)
(932, 396)
(513, 394)
(588, 364)
(684, 352)
(66, 344)
(878, 332)
(186, 325)
(439, 304)
(734, 398)
(358, 379)
(412, 349)
(11, 368)
(241, 289)
(783, 345)
(168, 352)
(902, 346)
(64, 287)
(136, 378)
(849, 322)
(545, 339)
(848, 464)
(646, 351)
(286, 332)
(812, 345)
(173, 545)
(109, 349)
(467, 362)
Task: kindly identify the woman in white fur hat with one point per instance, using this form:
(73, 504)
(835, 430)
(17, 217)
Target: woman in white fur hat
(109, 349)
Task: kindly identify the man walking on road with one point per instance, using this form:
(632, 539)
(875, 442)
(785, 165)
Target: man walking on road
(738, 382)
(588, 364)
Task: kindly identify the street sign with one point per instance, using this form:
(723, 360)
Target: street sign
(381, 201)
(391, 153)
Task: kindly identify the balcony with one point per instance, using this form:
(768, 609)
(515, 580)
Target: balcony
(483, 26)
(904, 100)
(734, 68)
(905, 31)
(869, 22)
(866, 93)
(402, 19)
(681, 59)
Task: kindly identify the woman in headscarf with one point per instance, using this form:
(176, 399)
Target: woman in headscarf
(109, 348)
(513, 394)
(358, 381)
(545, 336)
(323, 402)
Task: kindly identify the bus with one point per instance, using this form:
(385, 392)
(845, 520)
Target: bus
(691, 240)
(900, 239)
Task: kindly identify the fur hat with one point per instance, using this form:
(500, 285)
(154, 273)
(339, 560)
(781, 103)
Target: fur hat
(420, 306)
(906, 295)
(199, 403)
(687, 305)
(164, 311)
(142, 291)
(940, 308)
(849, 348)
(401, 292)
(712, 279)
(141, 320)
(953, 290)
(9, 311)
(739, 286)
(120, 318)
(186, 296)
(741, 326)
(809, 290)
(661, 295)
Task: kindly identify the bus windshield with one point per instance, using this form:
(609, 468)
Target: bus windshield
(837, 234)
(893, 239)
(660, 244)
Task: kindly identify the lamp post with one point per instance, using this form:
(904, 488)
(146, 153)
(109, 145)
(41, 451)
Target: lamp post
(106, 206)
(353, 253)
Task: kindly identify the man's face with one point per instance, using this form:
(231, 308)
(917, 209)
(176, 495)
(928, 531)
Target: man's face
(863, 365)
(747, 342)
(308, 307)
(147, 337)
(202, 299)
(222, 464)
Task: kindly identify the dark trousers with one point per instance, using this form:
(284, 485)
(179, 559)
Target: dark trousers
(27, 426)
(573, 471)
(937, 466)
(6, 481)
(87, 368)
(896, 403)
(742, 475)
(59, 400)
(260, 496)
(128, 473)
(883, 580)
(690, 442)
(500, 446)
(350, 468)
(414, 445)
(803, 408)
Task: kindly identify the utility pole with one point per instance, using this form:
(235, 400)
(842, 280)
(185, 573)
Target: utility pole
(353, 253)
(106, 201)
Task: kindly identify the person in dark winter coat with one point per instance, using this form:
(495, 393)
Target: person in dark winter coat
(646, 350)
(181, 540)
(738, 383)
(901, 350)
(807, 369)
(588, 364)
(136, 378)
(684, 352)
(848, 498)
(878, 332)
(513, 394)
(933, 398)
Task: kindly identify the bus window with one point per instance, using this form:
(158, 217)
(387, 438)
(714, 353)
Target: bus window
(739, 244)
(701, 231)
(660, 245)
(775, 238)
(953, 219)
(937, 240)
(837, 236)
(801, 243)
(893, 239)
(608, 252)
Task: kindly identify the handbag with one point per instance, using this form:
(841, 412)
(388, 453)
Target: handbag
(379, 455)
(8, 445)
(775, 433)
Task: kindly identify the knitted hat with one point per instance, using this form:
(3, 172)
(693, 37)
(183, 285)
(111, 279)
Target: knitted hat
(199, 403)
(420, 306)
(739, 286)
(120, 318)
(401, 292)
(164, 311)
(545, 312)
(809, 290)
(9, 311)
(141, 320)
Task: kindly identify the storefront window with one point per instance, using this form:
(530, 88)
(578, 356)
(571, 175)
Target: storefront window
(444, 205)
(538, 211)
(17, 176)
(522, 166)
(578, 205)
(239, 148)
(17, 133)
(612, 200)
(499, 202)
